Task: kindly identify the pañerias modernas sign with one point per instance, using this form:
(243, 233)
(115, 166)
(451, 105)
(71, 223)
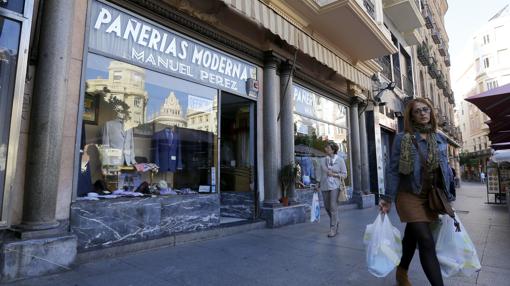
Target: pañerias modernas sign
(119, 34)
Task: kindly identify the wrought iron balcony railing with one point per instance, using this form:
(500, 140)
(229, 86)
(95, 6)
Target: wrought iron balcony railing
(370, 8)
(432, 68)
(397, 77)
(427, 16)
(436, 37)
(423, 54)
(447, 60)
(442, 49)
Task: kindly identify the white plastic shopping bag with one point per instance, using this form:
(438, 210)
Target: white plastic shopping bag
(315, 215)
(383, 245)
(455, 250)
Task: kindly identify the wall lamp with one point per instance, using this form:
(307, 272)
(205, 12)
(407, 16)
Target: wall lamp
(377, 98)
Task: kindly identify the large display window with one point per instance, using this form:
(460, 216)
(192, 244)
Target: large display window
(317, 120)
(145, 133)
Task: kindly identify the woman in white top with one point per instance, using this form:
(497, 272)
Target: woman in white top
(333, 171)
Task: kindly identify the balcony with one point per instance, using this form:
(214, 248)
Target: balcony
(341, 22)
(432, 68)
(427, 16)
(370, 8)
(408, 85)
(440, 80)
(423, 54)
(405, 14)
(442, 49)
(436, 37)
(447, 60)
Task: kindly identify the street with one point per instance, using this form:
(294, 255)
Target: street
(296, 255)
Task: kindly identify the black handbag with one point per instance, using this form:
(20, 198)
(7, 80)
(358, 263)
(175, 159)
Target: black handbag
(436, 196)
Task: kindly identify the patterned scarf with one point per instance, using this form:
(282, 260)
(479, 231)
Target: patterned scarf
(407, 157)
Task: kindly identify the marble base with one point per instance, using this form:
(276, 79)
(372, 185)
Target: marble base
(365, 201)
(281, 216)
(34, 257)
(118, 221)
(238, 204)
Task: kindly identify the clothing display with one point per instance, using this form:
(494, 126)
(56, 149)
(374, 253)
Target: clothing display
(307, 169)
(166, 150)
(116, 137)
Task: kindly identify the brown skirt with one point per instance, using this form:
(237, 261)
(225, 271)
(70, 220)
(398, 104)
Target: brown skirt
(413, 207)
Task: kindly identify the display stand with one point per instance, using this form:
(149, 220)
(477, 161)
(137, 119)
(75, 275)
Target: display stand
(498, 182)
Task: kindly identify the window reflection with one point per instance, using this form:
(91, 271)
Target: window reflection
(9, 43)
(150, 133)
(317, 120)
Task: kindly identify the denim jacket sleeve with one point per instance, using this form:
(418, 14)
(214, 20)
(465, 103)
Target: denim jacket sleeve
(392, 173)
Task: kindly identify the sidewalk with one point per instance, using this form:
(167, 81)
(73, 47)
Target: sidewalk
(296, 255)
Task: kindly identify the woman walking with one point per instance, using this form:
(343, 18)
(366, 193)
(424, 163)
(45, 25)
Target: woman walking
(333, 171)
(419, 160)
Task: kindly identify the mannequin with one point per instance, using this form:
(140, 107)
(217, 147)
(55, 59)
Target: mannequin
(116, 137)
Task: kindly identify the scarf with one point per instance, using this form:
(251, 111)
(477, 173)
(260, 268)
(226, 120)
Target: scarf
(407, 157)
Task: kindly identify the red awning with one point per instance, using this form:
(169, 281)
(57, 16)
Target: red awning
(496, 104)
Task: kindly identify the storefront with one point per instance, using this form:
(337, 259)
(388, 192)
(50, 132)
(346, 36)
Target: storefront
(318, 120)
(168, 133)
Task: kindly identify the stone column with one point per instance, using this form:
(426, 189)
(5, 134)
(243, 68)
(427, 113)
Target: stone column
(271, 104)
(287, 123)
(365, 170)
(47, 116)
(355, 147)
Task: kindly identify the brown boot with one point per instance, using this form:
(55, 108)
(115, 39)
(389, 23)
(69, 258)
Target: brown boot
(402, 279)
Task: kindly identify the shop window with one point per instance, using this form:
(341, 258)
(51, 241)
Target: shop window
(10, 32)
(317, 120)
(145, 139)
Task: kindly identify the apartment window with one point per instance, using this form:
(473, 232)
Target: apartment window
(486, 39)
(486, 63)
(117, 75)
(491, 84)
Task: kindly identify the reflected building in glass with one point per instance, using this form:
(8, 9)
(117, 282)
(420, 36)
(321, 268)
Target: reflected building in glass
(126, 83)
(170, 113)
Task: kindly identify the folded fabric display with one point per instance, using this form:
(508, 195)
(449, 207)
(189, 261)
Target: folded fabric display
(164, 189)
(185, 191)
(101, 188)
(144, 167)
(127, 193)
(94, 197)
(143, 188)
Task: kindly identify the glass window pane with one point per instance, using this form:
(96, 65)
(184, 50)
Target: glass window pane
(9, 42)
(13, 5)
(310, 138)
(146, 132)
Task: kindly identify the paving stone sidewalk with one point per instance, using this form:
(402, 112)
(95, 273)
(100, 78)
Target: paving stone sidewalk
(296, 255)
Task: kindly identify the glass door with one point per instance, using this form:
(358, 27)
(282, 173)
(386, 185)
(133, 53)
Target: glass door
(237, 158)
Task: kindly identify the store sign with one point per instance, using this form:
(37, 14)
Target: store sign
(309, 104)
(119, 34)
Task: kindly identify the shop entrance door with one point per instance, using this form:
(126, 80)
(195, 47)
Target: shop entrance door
(237, 158)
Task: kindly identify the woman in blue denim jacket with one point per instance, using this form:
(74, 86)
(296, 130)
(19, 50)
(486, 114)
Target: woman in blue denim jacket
(410, 190)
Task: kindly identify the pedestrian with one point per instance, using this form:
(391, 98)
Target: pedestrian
(482, 177)
(333, 171)
(410, 183)
(453, 191)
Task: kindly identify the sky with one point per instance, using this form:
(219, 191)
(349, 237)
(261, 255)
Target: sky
(462, 20)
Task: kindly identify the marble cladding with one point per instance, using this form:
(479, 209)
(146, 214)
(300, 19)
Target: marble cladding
(35, 257)
(281, 216)
(238, 204)
(118, 221)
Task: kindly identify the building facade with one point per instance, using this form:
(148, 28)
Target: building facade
(144, 120)
(488, 67)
